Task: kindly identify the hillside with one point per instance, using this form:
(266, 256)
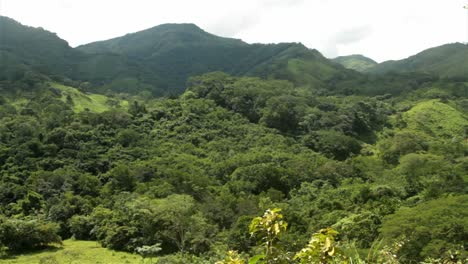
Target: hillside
(27, 48)
(356, 62)
(263, 148)
(437, 119)
(158, 60)
(173, 52)
(77, 100)
(450, 60)
(160, 39)
(87, 102)
(191, 173)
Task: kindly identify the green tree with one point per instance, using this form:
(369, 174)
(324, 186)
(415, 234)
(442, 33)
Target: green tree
(19, 235)
(268, 230)
(322, 249)
(283, 113)
(430, 229)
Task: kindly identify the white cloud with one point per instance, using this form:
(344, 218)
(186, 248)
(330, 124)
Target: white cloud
(352, 35)
(379, 29)
(347, 37)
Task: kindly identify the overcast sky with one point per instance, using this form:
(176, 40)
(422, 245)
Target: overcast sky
(381, 30)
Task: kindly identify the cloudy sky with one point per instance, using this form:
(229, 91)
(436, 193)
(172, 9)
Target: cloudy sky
(381, 30)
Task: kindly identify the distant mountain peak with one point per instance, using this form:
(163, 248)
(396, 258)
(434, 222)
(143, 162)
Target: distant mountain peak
(448, 60)
(170, 27)
(356, 62)
(357, 56)
(5, 19)
(162, 58)
(178, 26)
(151, 40)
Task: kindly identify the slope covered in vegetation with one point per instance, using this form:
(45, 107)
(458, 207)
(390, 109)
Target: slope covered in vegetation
(356, 62)
(158, 60)
(191, 173)
(364, 164)
(448, 60)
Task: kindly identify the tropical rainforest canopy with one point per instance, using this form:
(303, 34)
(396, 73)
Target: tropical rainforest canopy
(181, 140)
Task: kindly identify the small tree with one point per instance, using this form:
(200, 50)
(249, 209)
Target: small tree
(149, 251)
(321, 249)
(268, 230)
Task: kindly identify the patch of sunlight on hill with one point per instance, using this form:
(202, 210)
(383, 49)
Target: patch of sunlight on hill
(19, 103)
(356, 62)
(358, 65)
(436, 119)
(81, 101)
(76, 252)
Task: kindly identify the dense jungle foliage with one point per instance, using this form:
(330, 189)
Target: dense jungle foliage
(191, 173)
(363, 168)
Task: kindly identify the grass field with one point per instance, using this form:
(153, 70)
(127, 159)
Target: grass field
(94, 102)
(76, 252)
(436, 119)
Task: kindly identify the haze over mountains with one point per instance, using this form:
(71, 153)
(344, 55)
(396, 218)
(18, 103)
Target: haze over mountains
(162, 58)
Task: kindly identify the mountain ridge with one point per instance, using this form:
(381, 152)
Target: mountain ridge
(448, 60)
(87, 153)
(162, 58)
(30, 48)
(159, 31)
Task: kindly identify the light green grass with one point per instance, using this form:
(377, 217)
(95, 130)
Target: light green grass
(436, 119)
(76, 252)
(94, 102)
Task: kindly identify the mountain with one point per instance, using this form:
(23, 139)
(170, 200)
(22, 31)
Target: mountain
(159, 60)
(378, 157)
(450, 60)
(28, 48)
(26, 51)
(356, 62)
(160, 39)
(170, 53)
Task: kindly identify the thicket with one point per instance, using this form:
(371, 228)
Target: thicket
(192, 173)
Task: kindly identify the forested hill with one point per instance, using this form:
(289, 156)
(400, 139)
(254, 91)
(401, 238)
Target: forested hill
(170, 53)
(450, 60)
(189, 175)
(370, 168)
(160, 59)
(356, 62)
(160, 38)
(25, 48)
(27, 52)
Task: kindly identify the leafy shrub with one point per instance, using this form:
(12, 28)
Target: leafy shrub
(431, 229)
(20, 235)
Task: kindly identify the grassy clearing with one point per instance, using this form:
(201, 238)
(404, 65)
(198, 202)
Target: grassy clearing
(76, 252)
(436, 119)
(94, 102)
